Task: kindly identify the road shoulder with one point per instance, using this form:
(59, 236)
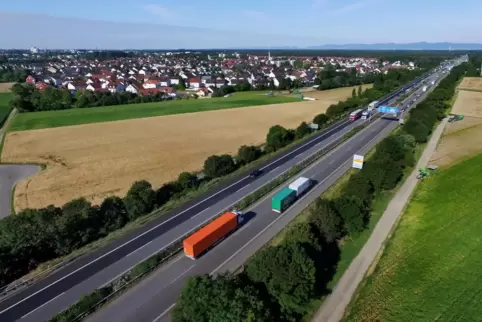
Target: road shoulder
(335, 305)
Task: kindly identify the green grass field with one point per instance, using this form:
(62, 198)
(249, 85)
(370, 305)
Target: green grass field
(4, 106)
(431, 270)
(49, 119)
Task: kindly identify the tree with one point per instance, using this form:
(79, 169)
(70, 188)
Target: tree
(219, 165)
(303, 234)
(353, 212)
(113, 214)
(187, 180)
(74, 226)
(140, 199)
(288, 273)
(302, 130)
(247, 154)
(320, 119)
(224, 298)
(359, 186)
(327, 220)
(360, 91)
(353, 93)
(277, 138)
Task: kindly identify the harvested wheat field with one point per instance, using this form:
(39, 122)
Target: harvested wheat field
(96, 160)
(471, 84)
(461, 140)
(5, 87)
(468, 103)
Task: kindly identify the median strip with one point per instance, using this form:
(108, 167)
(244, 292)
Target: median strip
(95, 300)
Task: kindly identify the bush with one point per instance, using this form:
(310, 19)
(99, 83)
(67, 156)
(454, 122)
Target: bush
(321, 119)
(187, 181)
(277, 138)
(219, 165)
(248, 154)
(140, 199)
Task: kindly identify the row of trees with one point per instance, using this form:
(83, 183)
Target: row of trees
(13, 75)
(29, 99)
(279, 282)
(38, 235)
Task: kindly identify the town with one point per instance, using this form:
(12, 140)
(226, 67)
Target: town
(176, 74)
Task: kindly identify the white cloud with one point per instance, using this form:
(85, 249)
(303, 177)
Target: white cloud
(166, 15)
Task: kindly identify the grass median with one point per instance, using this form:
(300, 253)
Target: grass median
(79, 311)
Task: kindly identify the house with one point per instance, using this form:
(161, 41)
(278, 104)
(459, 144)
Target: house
(194, 82)
(132, 89)
(30, 79)
(94, 87)
(41, 86)
(164, 81)
(203, 92)
(150, 91)
(151, 83)
(174, 80)
(75, 86)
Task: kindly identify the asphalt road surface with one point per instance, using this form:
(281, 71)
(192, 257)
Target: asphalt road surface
(152, 299)
(335, 305)
(10, 175)
(64, 287)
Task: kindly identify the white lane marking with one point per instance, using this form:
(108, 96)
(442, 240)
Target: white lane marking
(278, 217)
(183, 273)
(42, 305)
(135, 250)
(160, 224)
(155, 227)
(163, 313)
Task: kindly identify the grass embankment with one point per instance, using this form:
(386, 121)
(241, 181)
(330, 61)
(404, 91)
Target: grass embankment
(4, 107)
(431, 268)
(349, 247)
(50, 119)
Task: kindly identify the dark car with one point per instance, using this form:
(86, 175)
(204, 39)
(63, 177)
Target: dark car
(255, 173)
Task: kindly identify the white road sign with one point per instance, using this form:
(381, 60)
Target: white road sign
(358, 161)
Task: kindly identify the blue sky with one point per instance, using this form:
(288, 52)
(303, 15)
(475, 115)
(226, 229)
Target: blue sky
(221, 23)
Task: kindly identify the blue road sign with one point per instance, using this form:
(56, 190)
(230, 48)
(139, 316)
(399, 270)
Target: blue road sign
(388, 109)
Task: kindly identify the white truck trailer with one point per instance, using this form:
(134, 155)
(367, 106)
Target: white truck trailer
(300, 185)
(373, 105)
(424, 89)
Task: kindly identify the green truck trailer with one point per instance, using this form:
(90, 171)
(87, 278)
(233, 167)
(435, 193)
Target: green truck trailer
(283, 200)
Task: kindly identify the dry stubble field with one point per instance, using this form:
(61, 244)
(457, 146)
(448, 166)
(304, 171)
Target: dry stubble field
(5, 87)
(471, 84)
(96, 160)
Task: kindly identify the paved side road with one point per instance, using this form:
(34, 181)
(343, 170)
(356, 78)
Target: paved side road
(10, 175)
(335, 305)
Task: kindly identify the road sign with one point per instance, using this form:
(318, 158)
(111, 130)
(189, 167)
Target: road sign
(388, 109)
(358, 161)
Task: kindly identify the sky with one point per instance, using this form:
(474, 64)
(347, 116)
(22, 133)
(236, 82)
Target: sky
(170, 24)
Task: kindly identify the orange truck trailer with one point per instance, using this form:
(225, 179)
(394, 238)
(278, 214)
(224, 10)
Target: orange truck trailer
(210, 234)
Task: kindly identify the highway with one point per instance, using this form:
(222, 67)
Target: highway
(151, 300)
(64, 287)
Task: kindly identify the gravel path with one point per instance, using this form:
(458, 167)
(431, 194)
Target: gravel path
(335, 305)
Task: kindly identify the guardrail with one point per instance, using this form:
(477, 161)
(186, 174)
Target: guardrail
(125, 281)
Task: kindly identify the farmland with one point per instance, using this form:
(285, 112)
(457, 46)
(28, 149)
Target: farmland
(95, 160)
(5, 87)
(51, 119)
(430, 270)
(471, 84)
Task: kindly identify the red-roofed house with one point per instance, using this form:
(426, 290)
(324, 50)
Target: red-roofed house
(41, 86)
(30, 79)
(194, 82)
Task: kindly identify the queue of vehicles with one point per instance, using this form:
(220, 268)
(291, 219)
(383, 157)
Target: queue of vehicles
(208, 236)
(211, 234)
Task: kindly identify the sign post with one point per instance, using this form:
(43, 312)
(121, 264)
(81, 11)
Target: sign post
(358, 161)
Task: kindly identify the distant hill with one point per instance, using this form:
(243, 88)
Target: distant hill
(407, 46)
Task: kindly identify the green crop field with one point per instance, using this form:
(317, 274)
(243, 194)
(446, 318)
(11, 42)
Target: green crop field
(431, 270)
(49, 119)
(4, 106)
